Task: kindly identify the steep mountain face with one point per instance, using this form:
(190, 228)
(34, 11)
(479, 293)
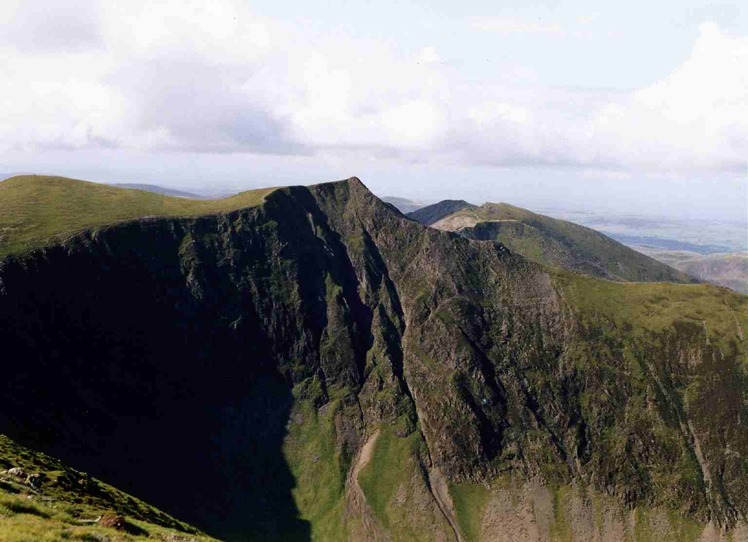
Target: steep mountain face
(320, 367)
(558, 243)
(436, 212)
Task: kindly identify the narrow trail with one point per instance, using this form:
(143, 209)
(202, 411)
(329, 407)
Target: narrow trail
(364, 456)
(357, 500)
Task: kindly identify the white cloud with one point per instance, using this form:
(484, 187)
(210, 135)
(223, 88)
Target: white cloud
(38, 26)
(692, 121)
(502, 25)
(226, 30)
(694, 118)
(209, 77)
(587, 19)
(428, 55)
(488, 114)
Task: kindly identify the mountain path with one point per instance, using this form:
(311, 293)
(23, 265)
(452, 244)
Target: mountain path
(370, 528)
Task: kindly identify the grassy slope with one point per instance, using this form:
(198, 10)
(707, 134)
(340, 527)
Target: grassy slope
(64, 502)
(383, 476)
(395, 486)
(36, 209)
(317, 466)
(654, 307)
(559, 243)
(470, 501)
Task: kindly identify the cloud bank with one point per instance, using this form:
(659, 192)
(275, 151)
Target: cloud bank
(215, 77)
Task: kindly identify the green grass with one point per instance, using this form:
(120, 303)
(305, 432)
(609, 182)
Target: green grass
(558, 243)
(382, 476)
(37, 210)
(319, 469)
(21, 521)
(658, 306)
(560, 528)
(59, 507)
(395, 489)
(470, 502)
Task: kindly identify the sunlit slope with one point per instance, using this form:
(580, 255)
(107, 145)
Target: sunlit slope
(43, 499)
(36, 209)
(558, 243)
(643, 308)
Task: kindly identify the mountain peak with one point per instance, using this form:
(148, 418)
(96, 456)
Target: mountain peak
(434, 213)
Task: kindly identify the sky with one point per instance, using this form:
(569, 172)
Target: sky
(637, 107)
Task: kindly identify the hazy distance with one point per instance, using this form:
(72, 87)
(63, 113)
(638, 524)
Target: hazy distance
(581, 105)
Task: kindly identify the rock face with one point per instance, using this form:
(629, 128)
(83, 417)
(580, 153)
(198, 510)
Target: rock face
(230, 369)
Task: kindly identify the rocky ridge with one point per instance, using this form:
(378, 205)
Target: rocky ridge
(259, 350)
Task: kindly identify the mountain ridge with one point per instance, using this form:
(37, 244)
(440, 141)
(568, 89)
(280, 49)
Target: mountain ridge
(36, 209)
(312, 320)
(436, 212)
(556, 243)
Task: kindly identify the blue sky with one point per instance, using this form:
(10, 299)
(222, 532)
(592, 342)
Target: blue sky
(633, 107)
(616, 45)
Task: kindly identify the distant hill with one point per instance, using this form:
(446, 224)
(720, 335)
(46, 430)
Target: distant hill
(36, 208)
(730, 270)
(663, 244)
(403, 205)
(558, 243)
(434, 213)
(159, 190)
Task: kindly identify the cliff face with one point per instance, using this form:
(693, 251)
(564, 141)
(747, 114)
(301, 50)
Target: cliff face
(321, 367)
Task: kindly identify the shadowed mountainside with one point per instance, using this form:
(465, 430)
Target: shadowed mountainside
(251, 355)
